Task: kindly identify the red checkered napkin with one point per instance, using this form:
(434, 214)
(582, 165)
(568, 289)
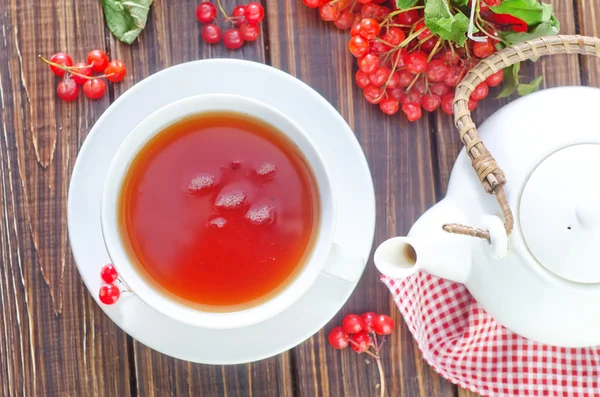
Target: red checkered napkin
(468, 347)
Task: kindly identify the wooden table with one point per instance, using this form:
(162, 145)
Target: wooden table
(55, 340)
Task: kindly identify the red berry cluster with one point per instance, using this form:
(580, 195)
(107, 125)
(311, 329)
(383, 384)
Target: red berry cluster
(402, 64)
(109, 292)
(245, 19)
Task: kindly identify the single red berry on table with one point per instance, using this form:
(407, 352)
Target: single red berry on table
(206, 12)
(416, 62)
(329, 11)
(67, 90)
(62, 59)
(249, 32)
(431, 102)
(94, 89)
(369, 317)
(407, 18)
(238, 15)
(495, 79)
(373, 94)
(393, 36)
(362, 79)
(211, 33)
(254, 13)
(384, 325)
(369, 63)
(393, 81)
(232, 39)
(480, 92)
(389, 106)
(425, 30)
(413, 112)
(447, 103)
(109, 274)
(109, 294)
(115, 71)
(98, 59)
(360, 342)
(436, 71)
(369, 28)
(483, 49)
(81, 68)
(379, 76)
(353, 323)
(405, 78)
(359, 46)
(345, 20)
(439, 89)
(338, 338)
(312, 3)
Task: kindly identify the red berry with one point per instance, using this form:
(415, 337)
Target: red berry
(398, 59)
(405, 78)
(389, 106)
(453, 76)
(397, 93)
(254, 13)
(98, 59)
(447, 103)
(353, 323)
(421, 26)
(450, 57)
(495, 79)
(329, 11)
(429, 44)
(232, 39)
(115, 71)
(312, 3)
(249, 32)
(355, 31)
(439, 89)
(109, 294)
(413, 112)
(62, 59)
(206, 12)
(370, 10)
(365, 1)
(492, 3)
(359, 46)
(480, 92)
(381, 12)
(362, 79)
(369, 317)
(81, 68)
(94, 89)
(384, 325)
(109, 274)
(393, 81)
(339, 339)
(416, 62)
(238, 15)
(373, 94)
(407, 18)
(211, 33)
(369, 63)
(431, 102)
(393, 36)
(369, 28)
(378, 47)
(67, 90)
(361, 342)
(345, 20)
(379, 76)
(421, 85)
(413, 97)
(436, 71)
(483, 49)
(472, 104)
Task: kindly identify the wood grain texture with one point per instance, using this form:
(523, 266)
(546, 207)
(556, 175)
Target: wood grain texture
(54, 341)
(588, 12)
(399, 154)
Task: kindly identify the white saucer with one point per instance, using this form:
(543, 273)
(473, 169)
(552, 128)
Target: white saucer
(343, 157)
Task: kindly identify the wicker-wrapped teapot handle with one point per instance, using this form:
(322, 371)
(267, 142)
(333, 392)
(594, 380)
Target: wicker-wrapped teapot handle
(488, 171)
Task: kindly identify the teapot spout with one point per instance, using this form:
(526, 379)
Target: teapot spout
(428, 247)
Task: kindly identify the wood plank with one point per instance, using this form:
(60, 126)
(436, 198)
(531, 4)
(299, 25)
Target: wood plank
(589, 20)
(399, 154)
(54, 340)
(172, 36)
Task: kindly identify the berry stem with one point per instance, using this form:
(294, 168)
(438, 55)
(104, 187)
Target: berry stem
(366, 351)
(222, 10)
(394, 13)
(435, 49)
(69, 69)
(381, 376)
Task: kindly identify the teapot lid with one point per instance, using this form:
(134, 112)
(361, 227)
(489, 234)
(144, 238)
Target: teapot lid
(559, 213)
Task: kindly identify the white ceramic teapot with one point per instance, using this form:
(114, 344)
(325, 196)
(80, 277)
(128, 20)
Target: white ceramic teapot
(540, 276)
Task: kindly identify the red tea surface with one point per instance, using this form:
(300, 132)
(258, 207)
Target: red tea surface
(219, 210)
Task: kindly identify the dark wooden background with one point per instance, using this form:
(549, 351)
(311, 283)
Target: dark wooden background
(55, 340)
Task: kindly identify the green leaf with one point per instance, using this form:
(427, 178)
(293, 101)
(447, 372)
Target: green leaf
(440, 20)
(126, 18)
(459, 3)
(530, 11)
(525, 89)
(543, 29)
(404, 4)
(511, 80)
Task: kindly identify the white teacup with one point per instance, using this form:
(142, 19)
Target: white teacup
(325, 257)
